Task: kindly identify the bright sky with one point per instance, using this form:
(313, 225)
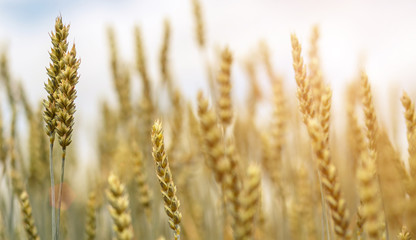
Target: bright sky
(382, 33)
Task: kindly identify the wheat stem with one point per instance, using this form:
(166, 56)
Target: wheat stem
(52, 187)
(60, 193)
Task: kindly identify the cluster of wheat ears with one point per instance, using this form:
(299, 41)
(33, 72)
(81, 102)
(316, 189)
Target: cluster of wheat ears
(222, 172)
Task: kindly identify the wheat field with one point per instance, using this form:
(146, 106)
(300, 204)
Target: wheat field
(210, 167)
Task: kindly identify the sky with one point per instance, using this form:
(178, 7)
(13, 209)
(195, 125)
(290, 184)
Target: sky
(379, 35)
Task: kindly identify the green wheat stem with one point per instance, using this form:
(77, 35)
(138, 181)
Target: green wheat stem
(52, 186)
(60, 193)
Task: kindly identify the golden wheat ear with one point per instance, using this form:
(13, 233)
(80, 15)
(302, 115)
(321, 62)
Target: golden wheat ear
(119, 208)
(213, 145)
(90, 227)
(145, 195)
(199, 23)
(404, 234)
(303, 92)
(225, 111)
(329, 179)
(167, 186)
(249, 201)
(410, 117)
(28, 221)
(370, 197)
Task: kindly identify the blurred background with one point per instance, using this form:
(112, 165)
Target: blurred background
(377, 35)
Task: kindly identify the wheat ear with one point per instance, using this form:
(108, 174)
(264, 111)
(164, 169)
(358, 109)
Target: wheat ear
(249, 204)
(360, 222)
(318, 130)
(141, 180)
(164, 55)
(167, 186)
(225, 111)
(119, 208)
(410, 117)
(372, 137)
(57, 53)
(370, 196)
(277, 140)
(329, 180)
(121, 77)
(90, 227)
(255, 93)
(306, 202)
(303, 92)
(141, 63)
(213, 144)
(325, 112)
(199, 23)
(369, 113)
(404, 234)
(315, 75)
(234, 186)
(28, 221)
